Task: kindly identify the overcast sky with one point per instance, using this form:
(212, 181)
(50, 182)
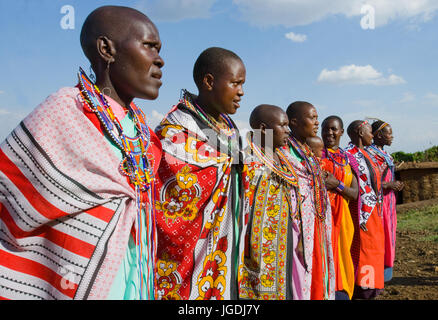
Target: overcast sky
(352, 58)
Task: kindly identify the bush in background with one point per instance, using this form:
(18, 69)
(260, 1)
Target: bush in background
(427, 155)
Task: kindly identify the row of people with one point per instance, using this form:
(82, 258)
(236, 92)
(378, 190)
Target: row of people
(96, 205)
(270, 223)
(366, 166)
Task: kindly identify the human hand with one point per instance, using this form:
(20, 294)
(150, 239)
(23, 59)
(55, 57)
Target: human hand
(330, 181)
(393, 185)
(399, 185)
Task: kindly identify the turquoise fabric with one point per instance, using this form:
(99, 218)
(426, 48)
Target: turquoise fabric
(295, 154)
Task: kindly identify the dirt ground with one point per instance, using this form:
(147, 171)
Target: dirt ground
(415, 274)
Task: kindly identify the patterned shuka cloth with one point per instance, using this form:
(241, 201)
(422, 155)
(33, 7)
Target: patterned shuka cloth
(371, 261)
(198, 223)
(354, 207)
(369, 181)
(312, 236)
(337, 163)
(66, 211)
(386, 165)
(270, 206)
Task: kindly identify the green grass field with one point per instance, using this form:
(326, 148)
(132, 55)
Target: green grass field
(425, 220)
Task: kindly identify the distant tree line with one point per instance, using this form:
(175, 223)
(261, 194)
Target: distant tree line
(427, 155)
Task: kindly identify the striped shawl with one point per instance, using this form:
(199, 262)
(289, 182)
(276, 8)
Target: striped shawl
(62, 199)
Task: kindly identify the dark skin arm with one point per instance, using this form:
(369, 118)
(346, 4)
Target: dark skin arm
(393, 185)
(349, 193)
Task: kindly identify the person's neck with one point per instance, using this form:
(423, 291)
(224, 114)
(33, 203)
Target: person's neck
(334, 148)
(106, 87)
(206, 105)
(358, 143)
(267, 150)
(300, 139)
(378, 145)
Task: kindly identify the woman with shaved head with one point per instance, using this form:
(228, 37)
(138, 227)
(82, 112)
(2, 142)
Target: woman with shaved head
(270, 203)
(199, 184)
(77, 175)
(314, 274)
(369, 280)
(342, 186)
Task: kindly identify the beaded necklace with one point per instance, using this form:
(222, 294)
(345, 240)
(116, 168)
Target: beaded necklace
(226, 131)
(312, 165)
(321, 205)
(341, 153)
(383, 154)
(226, 127)
(285, 172)
(135, 166)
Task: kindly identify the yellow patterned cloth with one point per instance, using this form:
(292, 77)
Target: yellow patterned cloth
(265, 270)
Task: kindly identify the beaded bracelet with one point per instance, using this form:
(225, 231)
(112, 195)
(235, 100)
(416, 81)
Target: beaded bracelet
(340, 187)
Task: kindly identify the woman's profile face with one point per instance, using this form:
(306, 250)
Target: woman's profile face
(136, 71)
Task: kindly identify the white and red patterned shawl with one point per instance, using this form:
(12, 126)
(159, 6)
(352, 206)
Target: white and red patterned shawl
(196, 218)
(65, 210)
(369, 191)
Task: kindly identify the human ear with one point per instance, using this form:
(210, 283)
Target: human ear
(379, 135)
(208, 81)
(293, 122)
(106, 49)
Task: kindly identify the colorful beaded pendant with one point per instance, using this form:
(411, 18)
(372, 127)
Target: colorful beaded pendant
(341, 157)
(285, 171)
(135, 165)
(226, 127)
(312, 166)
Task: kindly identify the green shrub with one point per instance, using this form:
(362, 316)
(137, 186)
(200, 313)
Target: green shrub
(402, 156)
(430, 154)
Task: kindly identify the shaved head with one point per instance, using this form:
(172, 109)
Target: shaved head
(272, 124)
(316, 144)
(303, 120)
(123, 46)
(331, 118)
(297, 108)
(213, 60)
(264, 113)
(112, 22)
